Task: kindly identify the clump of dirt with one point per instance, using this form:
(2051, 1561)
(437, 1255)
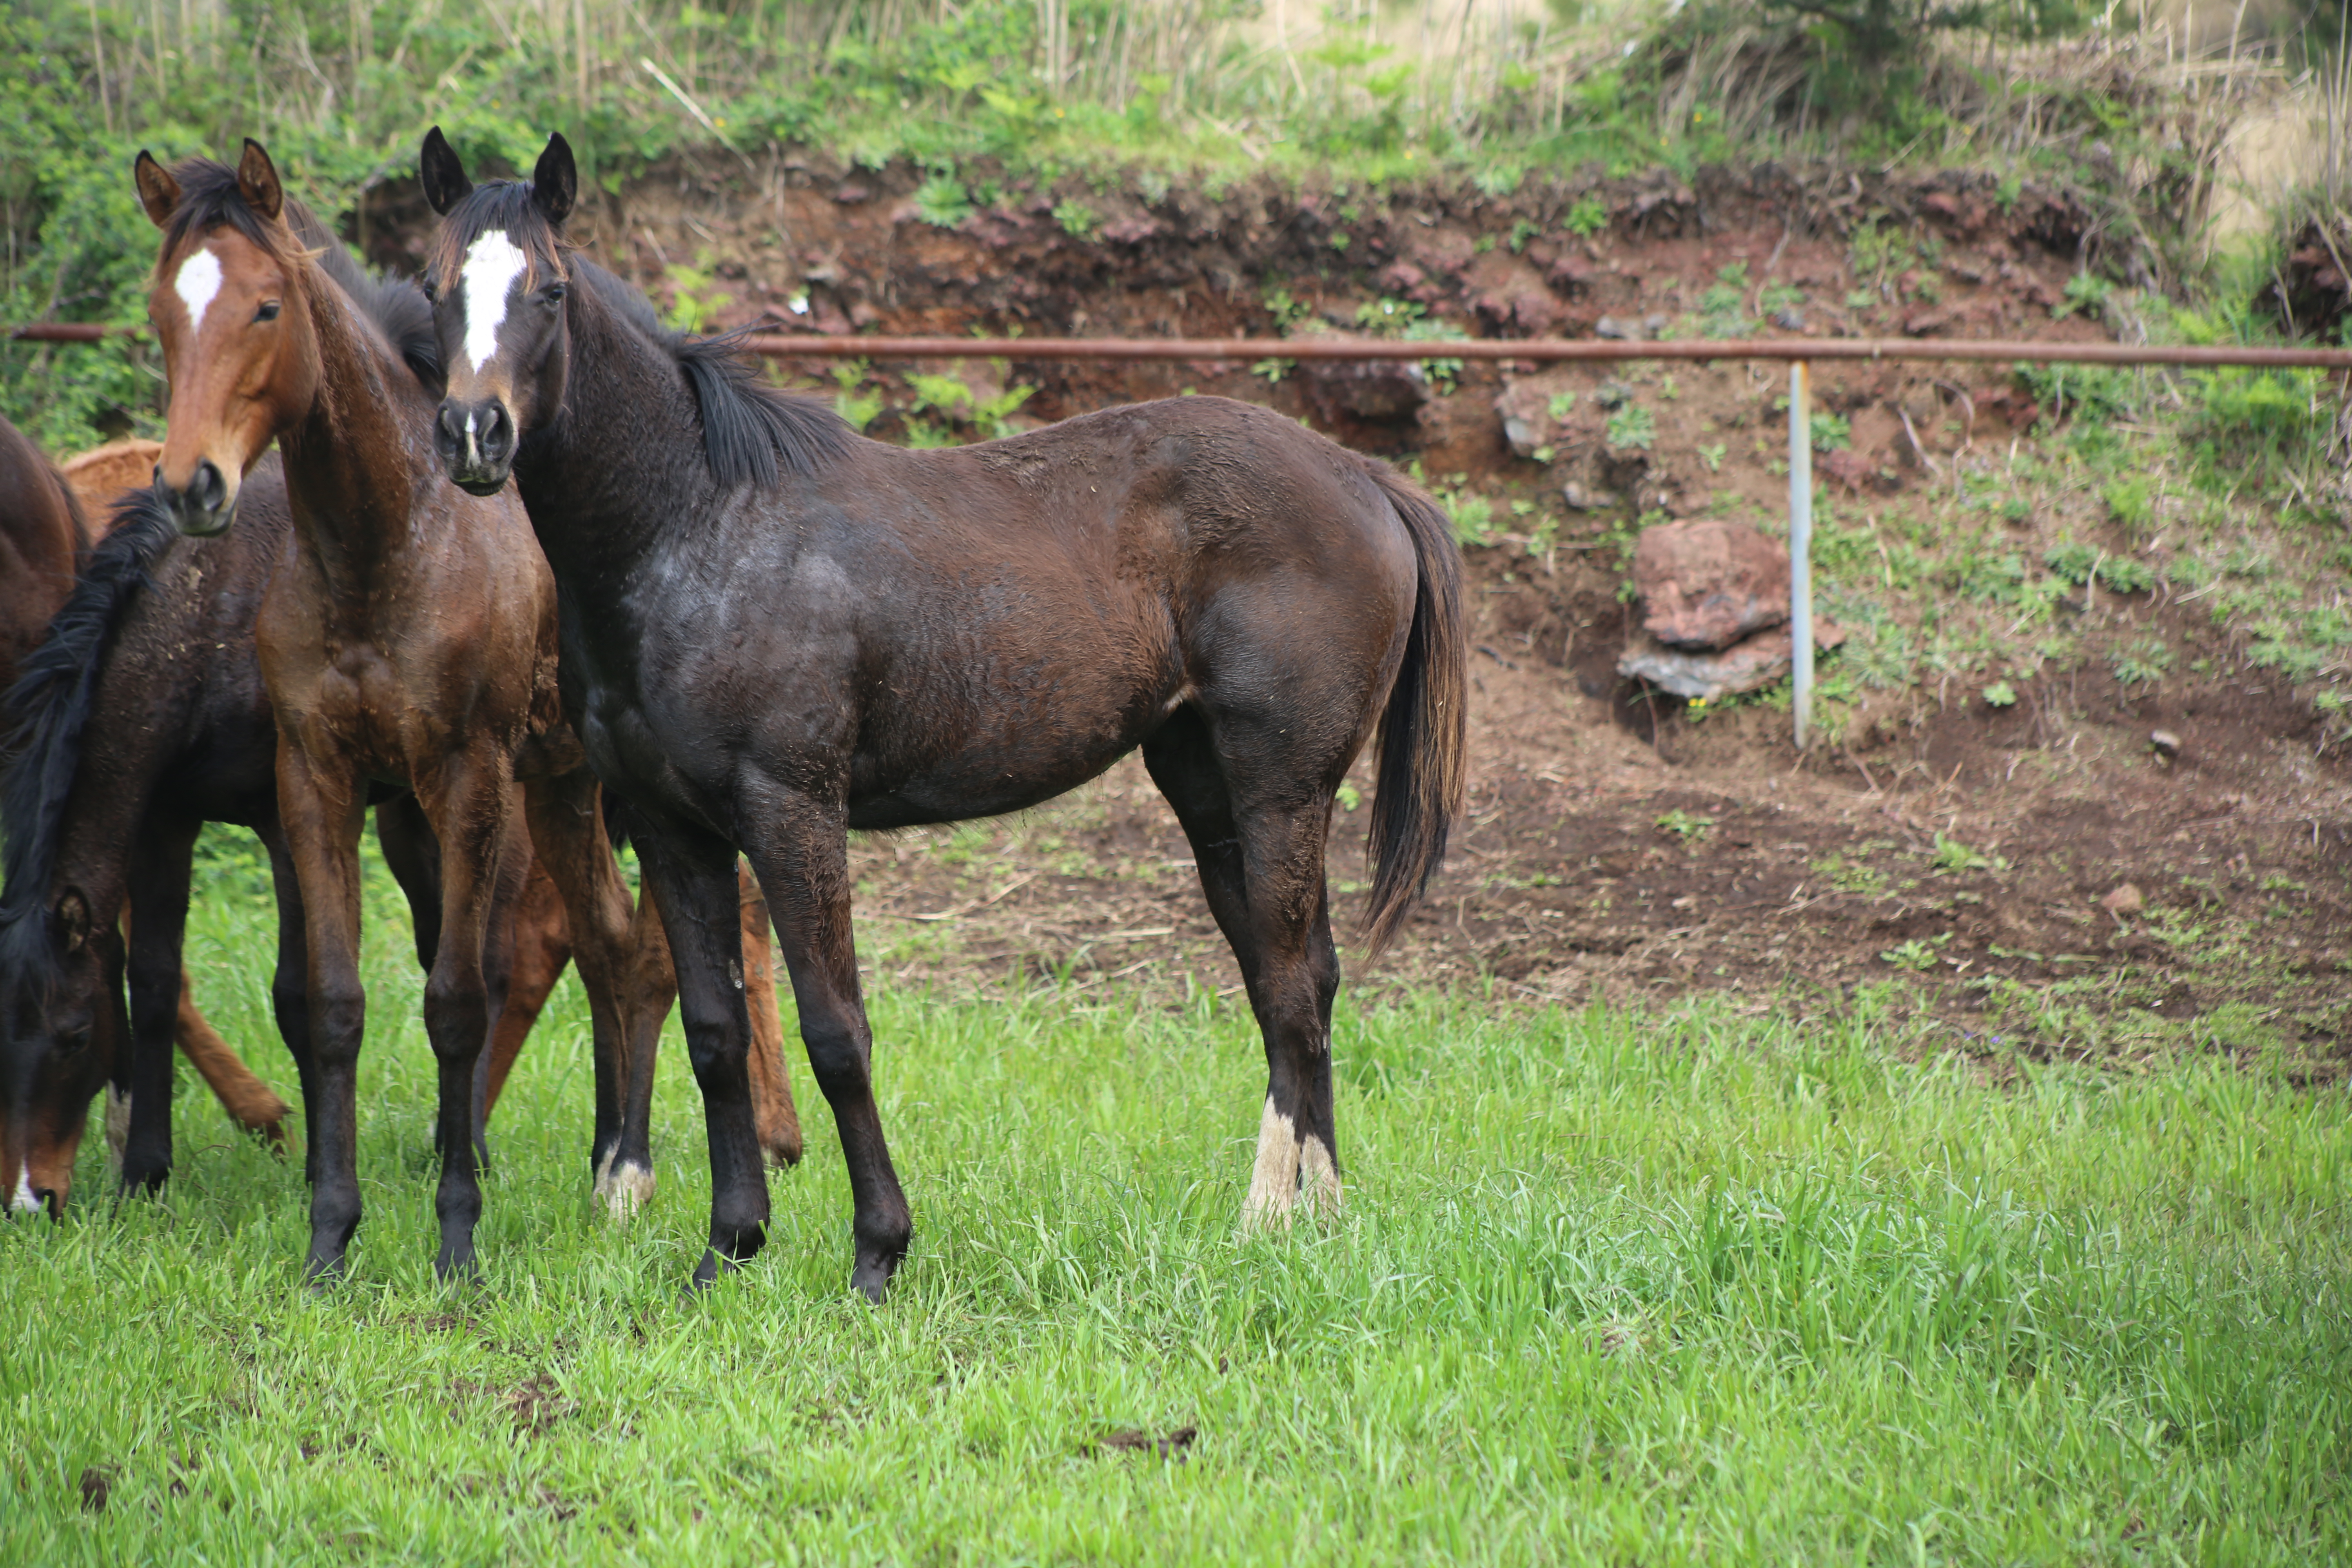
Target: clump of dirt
(1957, 838)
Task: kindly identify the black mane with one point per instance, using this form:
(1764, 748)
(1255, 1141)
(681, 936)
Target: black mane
(210, 199)
(751, 433)
(56, 690)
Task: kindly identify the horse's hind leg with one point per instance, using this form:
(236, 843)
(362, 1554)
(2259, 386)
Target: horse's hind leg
(771, 1088)
(543, 946)
(250, 1103)
(567, 834)
(1261, 864)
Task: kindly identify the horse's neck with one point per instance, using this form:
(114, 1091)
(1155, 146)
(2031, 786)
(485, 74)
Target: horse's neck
(349, 472)
(627, 435)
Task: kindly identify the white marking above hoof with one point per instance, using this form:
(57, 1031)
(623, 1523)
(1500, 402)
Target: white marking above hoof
(1318, 1177)
(1273, 1184)
(118, 1130)
(623, 1189)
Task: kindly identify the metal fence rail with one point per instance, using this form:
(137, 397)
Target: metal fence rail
(1800, 353)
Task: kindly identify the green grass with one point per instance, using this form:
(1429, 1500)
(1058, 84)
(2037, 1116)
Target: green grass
(1662, 1288)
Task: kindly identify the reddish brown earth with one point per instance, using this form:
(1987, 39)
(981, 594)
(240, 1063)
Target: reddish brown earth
(1614, 849)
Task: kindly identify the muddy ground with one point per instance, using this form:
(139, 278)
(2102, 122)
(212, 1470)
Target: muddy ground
(2037, 878)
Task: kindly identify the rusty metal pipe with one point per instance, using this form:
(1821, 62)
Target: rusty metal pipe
(1604, 349)
(1555, 350)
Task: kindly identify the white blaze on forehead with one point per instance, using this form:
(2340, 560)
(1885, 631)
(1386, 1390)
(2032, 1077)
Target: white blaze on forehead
(492, 265)
(199, 280)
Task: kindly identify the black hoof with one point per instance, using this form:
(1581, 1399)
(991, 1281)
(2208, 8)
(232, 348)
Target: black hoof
(871, 1278)
(707, 1272)
(455, 1262)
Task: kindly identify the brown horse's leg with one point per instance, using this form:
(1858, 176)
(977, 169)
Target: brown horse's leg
(543, 946)
(771, 1088)
(1261, 865)
(250, 1103)
(800, 853)
(320, 804)
(567, 832)
(472, 814)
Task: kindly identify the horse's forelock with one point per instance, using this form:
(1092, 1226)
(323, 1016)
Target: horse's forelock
(497, 206)
(209, 199)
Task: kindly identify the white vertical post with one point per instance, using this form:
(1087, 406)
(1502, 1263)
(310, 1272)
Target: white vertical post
(1800, 546)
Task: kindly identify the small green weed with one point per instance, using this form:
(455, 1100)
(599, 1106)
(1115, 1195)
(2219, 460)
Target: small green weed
(1689, 829)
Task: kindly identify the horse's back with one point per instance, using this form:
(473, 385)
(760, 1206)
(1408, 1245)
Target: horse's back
(41, 533)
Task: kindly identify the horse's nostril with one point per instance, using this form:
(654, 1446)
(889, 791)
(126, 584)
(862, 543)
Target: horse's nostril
(210, 489)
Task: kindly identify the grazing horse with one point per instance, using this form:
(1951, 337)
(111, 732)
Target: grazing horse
(44, 541)
(775, 631)
(407, 637)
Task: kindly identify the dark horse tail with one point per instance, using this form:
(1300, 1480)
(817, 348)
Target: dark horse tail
(1425, 748)
(49, 708)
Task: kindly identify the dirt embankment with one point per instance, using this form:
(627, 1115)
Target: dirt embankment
(2035, 872)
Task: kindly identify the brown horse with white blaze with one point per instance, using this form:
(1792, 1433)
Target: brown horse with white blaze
(408, 637)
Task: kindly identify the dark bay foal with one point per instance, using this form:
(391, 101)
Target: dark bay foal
(775, 631)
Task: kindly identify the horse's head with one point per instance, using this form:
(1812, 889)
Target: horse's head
(229, 311)
(58, 1016)
(498, 282)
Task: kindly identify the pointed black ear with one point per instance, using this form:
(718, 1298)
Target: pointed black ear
(444, 177)
(73, 920)
(158, 192)
(257, 182)
(555, 183)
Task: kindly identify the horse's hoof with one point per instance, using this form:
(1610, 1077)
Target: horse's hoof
(623, 1189)
(322, 1274)
(455, 1263)
(871, 1278)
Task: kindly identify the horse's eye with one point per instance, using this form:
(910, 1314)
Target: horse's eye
(431, 291)
(269, 312)
(75, 1041)
(555, 292)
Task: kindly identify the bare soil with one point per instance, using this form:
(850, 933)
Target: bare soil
(1958, 859)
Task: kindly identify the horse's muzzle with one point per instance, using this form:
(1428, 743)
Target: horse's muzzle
(476, 444)
(205, 507)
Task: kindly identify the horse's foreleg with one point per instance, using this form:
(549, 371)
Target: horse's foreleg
(1261, 867)
(772, 1110)
(320, 804)
(158, 887)
(691, 877)
(543, 946)
(471, 813)
(800, 853)
(567, 830)
(289, 994)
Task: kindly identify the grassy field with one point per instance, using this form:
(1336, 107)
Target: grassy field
(1674, 1287)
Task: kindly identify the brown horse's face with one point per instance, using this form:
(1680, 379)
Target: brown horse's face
(499, 320)
(238, 344)
(59, 1032)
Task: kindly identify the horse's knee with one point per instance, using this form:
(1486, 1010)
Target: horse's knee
(456, 1014)
(338, 1016)
(838, 1055)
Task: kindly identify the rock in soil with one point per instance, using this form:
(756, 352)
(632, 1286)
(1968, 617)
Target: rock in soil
(1706, 584)
(1749, 665)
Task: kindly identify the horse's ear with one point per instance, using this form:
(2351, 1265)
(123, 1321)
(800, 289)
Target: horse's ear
(257, 182)
(158, 192)
(73, 920)
(555, 182)
(442, 176)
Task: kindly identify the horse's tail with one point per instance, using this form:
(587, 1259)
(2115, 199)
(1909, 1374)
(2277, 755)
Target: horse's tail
(48, 709)
(1425, 750)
